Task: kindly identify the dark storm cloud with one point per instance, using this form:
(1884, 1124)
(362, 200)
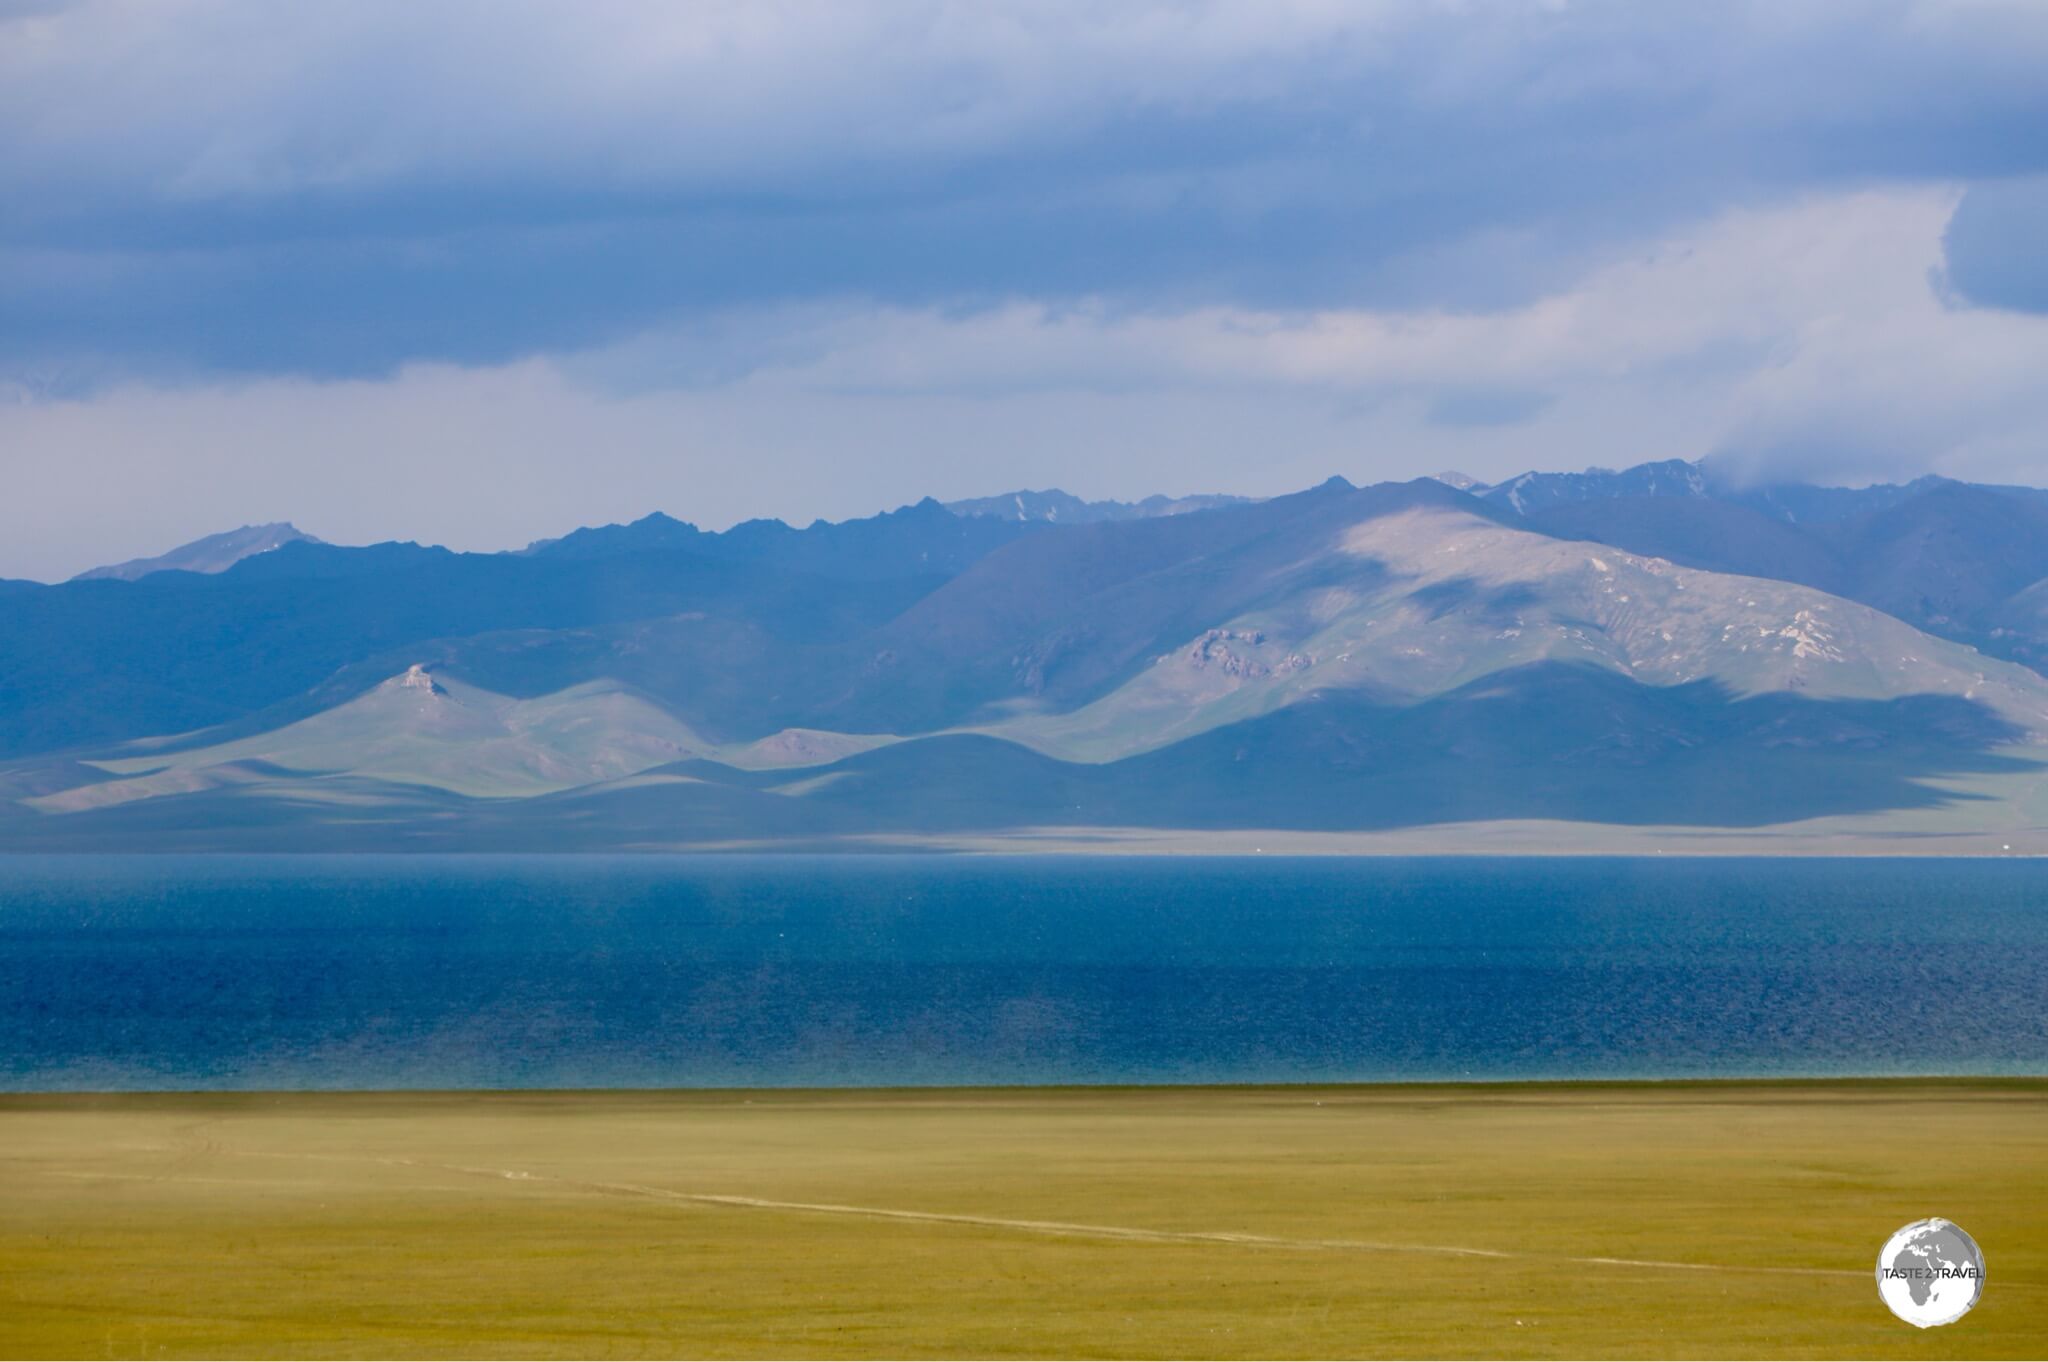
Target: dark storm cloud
(340, 191)
(1997, 244)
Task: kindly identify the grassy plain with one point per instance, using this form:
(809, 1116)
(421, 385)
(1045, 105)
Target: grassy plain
(1540, 1220)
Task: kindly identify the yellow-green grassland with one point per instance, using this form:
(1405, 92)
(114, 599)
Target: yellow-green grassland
(1520, 1221)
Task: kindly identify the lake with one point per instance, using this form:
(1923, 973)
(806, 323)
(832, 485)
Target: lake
(397, 972)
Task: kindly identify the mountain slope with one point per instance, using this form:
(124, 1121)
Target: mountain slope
(415, 730)
(921, 540)
(1412, 604)
(1344, 660)
(1057, 616)
(302, 626)
(1053, 506)
(91, 663)
(1534, 493)
(1531, 493)
(1555, 742)
(1719, 536)
(1052, 622)
(214, 553)
(1944, 556)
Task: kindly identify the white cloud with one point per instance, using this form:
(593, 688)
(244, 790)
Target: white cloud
(208, 187)
(1808, 333)
(1807, 337)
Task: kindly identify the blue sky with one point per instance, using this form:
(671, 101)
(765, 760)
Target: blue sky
(476, 272)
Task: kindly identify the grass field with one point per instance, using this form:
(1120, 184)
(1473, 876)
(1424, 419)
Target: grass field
(1639, 1220)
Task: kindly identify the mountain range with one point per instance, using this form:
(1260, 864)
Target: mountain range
(1654, 658)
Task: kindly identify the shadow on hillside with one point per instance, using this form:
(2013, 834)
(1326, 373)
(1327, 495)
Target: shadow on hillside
(1552, 741)
(1547, 741)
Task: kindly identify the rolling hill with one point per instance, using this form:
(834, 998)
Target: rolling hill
(1417, 603)
(415, 730)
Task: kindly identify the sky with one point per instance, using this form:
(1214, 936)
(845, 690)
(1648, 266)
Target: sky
(479, 271)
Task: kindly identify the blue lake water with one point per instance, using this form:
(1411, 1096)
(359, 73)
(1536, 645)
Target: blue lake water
(369, 972)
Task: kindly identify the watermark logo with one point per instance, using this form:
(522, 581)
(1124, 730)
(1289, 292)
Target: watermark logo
(1930, 1273)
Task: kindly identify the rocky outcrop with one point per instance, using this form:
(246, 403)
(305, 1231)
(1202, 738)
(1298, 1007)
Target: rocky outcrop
(1235, 652)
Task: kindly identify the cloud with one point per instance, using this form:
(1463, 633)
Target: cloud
(1745, 292)
(1804, 338)
(1994, 244)
(477, 272)
(208, 187)
(1485, 407)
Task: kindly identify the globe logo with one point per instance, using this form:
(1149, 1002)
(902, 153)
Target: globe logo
(1930, 1273)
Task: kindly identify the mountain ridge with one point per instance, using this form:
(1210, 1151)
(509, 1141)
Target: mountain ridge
(1609, 649)
(211, 554)
(1056, 506)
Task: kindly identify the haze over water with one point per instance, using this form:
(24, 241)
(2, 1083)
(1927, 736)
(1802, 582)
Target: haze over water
(373, 972)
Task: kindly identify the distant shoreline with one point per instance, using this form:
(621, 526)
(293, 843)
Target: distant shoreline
(1837, 1085)
(1185, 845)
(1948, 832)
